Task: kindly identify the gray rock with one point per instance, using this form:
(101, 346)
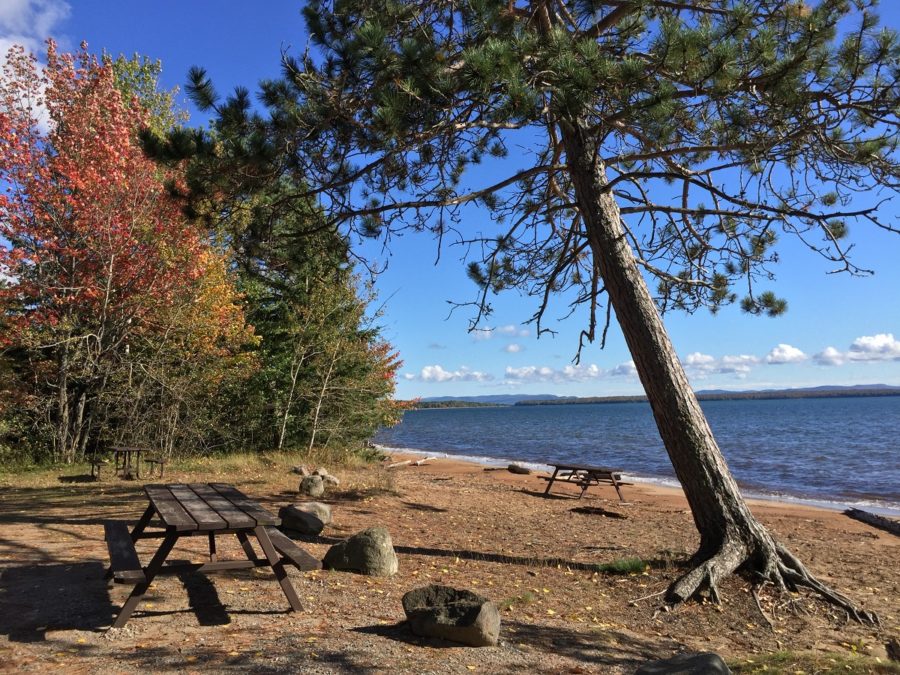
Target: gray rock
(312, 486)
(451, 614)
(321, 471)
(300, 470)
(686, 664)
(306, 518)
(331, 480)
(518, 468)
(368, 552)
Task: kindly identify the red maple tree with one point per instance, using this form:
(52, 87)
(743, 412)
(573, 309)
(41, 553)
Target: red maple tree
(93, 251)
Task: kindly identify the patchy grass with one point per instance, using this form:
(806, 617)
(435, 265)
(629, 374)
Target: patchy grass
(522, 600)
(623, 566)
(808, 663)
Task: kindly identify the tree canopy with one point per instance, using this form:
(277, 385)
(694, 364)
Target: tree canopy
(123, 321)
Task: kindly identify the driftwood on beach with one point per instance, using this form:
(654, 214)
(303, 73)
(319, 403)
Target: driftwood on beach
(882, 523)
(409, 462)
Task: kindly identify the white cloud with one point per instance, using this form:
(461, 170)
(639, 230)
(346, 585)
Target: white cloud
(702, 365)
(784, 353)
(626, 369)
(512, 330)
(829, 357)
(699, 360)
(547, 374)
(29, 22)
(881, 347)
(512, 348)
(438, 373)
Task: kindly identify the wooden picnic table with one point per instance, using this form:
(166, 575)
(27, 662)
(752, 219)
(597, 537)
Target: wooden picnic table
(125, 459)
(207, 509)
(584, 477)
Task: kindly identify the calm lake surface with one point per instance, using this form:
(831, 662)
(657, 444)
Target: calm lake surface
(834, 451)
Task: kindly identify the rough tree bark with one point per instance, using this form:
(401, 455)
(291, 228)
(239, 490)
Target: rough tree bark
(730, 536)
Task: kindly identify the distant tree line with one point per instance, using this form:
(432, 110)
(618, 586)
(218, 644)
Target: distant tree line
(125, 320)
(727, 396)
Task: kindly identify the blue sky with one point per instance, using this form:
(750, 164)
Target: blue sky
(838, 329)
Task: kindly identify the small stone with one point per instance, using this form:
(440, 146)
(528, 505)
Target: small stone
(321, 471)
(518, 468)
(452, 614)
(707, 663)
(368, 552)
(331, 480)
(300, 470)
(306, 518)
(312, 486)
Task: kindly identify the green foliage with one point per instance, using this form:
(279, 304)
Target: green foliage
(325, 376)
(138, 78)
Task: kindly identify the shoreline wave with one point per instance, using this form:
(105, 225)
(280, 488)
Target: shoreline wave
(873, 506)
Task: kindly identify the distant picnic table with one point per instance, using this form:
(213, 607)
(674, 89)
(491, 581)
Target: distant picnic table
(127, 460)
(206, 509)
(584, 477)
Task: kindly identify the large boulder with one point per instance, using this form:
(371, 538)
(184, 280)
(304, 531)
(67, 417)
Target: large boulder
(312, 486)
(368, 552)
(306, 518)
(686, 664)
(452, 614)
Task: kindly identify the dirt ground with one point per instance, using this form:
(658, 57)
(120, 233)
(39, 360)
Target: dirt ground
(492, 532)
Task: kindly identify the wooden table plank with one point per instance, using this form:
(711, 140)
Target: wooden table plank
(170, 511)
(205, 517)
(245, 504)
(232, 515)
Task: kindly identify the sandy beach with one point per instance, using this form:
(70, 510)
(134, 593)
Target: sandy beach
(454, 523)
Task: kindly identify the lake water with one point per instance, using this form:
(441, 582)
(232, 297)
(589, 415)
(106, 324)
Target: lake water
(830, 451)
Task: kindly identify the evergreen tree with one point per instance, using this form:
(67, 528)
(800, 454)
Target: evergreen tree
(670, 141)
(325, 376)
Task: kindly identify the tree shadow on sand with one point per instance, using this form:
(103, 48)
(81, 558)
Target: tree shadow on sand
(606, 648)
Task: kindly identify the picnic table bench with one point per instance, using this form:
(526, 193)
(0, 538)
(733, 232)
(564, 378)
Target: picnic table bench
(584, 477)
(207, 509)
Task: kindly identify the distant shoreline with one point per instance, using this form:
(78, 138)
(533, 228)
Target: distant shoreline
(774, 394)
(725, 396)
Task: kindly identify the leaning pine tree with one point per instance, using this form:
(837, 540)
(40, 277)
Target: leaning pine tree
(670, 141)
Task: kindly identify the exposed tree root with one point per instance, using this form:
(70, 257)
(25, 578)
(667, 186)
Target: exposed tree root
(767, 562)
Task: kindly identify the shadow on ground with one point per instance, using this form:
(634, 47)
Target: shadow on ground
(607, 648)
(35, 599)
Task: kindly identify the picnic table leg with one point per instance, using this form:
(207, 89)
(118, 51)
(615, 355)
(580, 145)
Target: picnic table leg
(247, 546)
(212, 546)
(277, 567)
(616, 485)
(552, 478)
(150, 572)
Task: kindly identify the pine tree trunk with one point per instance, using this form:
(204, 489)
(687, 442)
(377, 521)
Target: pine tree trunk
(730, 537)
